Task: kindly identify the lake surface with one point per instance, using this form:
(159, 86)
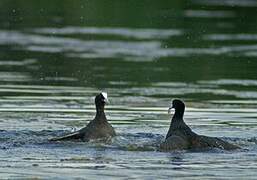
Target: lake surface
(56, 56)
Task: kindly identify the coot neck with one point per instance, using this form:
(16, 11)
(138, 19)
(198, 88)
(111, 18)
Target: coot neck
(100, 115)
(178, 115)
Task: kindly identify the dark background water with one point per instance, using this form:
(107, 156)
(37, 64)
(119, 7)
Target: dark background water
(191, 54)
(55, 56)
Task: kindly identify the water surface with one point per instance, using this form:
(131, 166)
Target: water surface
(56, 56)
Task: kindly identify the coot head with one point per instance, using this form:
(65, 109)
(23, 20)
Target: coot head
(178, 105)
(101, 99)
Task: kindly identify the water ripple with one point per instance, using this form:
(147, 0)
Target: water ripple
(229, 37)
(124, 32)
(233, 3)
(134, 50)
(241, 82)
(209, 14)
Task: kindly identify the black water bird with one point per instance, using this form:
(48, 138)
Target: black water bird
(181, 137)
(98, 128)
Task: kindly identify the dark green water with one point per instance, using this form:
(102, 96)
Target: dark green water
(55, 56)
